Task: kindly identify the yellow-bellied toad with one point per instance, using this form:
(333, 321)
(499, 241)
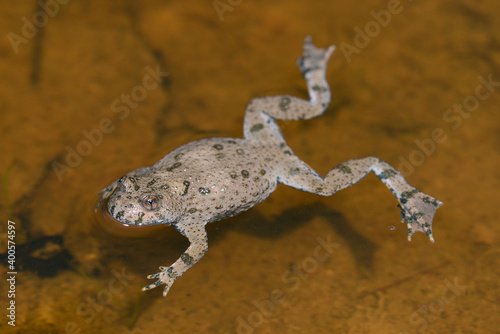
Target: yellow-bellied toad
(211, 179)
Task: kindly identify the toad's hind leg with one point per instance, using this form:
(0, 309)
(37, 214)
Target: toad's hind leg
(259, 121)
(417, 208)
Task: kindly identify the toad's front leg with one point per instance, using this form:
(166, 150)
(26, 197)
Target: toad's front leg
(197, 236)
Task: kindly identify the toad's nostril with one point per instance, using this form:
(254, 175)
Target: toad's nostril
(120, 182)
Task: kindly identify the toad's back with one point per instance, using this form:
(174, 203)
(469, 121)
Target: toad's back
(220, 177)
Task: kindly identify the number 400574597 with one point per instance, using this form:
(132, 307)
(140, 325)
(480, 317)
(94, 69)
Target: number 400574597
(11, 245)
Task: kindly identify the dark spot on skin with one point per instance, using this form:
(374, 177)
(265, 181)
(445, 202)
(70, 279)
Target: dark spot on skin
(262, 172)
(318, 190)
(204, 191)
(287, 152)
(192, 210)
(136, 187)
(187, 259)
(218, 207)
(161, 218)
(319, 89)
(139, 219)
(174, 166)
(233, 175)
(218, 147)
(256, 179)
(164, 187)
(240, 151)
(257, 127)
(387, 174)
(186, 187)
(178, 156)
(172, 273)
(294, 171)
(428, 200)
(220, 156)
(150, 183)
(245, 174)
(407, 195)
(120, 214)
(344, 169)
(284, 104)
(231, 142)
(282, 145)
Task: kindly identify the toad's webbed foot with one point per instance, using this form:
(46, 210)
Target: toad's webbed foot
(417, 211)
(166, 276)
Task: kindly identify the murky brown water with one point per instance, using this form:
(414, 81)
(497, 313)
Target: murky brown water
(418, 89)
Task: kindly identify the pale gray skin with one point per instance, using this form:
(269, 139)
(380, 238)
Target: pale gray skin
(215, 178)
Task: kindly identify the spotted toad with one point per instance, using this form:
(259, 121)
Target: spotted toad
(211, 179)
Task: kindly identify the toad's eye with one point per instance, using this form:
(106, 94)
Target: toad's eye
(150, 202)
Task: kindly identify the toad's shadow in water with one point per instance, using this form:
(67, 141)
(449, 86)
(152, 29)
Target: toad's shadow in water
(254, 223)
